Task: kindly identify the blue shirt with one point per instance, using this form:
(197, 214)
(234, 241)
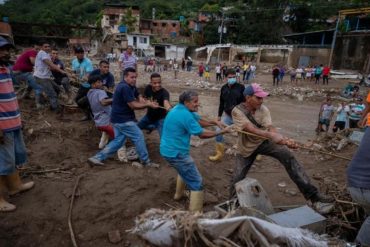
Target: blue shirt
(121, 111)
(358, 171)
(107, 79)
(82, 68)
(342, 113)
(178, 127)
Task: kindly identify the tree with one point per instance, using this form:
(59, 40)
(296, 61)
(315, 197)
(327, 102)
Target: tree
(129, 20)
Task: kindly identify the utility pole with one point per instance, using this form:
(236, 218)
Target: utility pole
(334, 40)
(220, 31)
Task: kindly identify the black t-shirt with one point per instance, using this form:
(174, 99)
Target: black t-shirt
(159, 97)
(275, 72)
(230, 97)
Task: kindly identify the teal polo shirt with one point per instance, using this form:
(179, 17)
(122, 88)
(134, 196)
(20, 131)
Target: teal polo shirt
(179, 125)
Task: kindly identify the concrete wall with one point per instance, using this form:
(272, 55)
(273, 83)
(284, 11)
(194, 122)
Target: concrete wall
(352, 52)
(164, 28)
(140, 41)
(316, 55)
(175, 52)
(278, 56)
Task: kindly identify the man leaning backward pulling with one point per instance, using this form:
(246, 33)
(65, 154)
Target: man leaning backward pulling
(254, 117)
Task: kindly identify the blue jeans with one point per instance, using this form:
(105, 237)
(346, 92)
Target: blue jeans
(362, 197)
(226, 119)
(47, 85)
(187, 170)
(13, 152)
(121, 132)
(28, 77)
(146, 123)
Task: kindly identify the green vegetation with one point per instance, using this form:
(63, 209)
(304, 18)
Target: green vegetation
(247, 21)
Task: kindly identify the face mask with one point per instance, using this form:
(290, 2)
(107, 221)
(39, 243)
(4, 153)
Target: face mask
(231, 80)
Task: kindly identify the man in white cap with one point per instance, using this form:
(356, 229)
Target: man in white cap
(253, 116)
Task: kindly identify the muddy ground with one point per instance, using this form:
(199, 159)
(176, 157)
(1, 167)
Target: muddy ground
(109, 198)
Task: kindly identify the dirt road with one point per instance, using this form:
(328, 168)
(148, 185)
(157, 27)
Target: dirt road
(110, 197)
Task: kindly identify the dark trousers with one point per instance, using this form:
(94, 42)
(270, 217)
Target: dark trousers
(218, 77)
(82, 101)
(325, 78)
(353, 123)
(275, 79)
(285, 157)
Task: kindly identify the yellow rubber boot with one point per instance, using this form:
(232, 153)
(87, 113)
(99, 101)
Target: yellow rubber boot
(15, 185)
(196, 201)
(220, 150)
(4, 205)
(180, 188)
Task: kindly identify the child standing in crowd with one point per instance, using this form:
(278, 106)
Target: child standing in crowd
(326, 114)
(207, 72)
(342, 116)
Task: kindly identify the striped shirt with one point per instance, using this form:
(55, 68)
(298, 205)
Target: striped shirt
(128, 61)
(10, 118)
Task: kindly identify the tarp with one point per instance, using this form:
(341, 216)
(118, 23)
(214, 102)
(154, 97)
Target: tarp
(165, 228)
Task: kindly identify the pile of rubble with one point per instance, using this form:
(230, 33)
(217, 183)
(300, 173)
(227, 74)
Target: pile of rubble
(302, 93)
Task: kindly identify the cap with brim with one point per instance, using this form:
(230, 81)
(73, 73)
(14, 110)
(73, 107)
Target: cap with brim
(79, 49)
(5, 42)
(255, 89)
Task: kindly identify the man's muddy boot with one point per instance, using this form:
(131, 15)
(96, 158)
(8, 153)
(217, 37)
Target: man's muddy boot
(196, 201)
(323, 204)
(87, 115)
(220, 150)
(15, 185)
(322, 198)
(4, 205)
(180, 188)
(94, 162)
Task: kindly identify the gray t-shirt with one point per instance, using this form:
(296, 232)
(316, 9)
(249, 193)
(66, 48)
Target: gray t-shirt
(327, 111)
(101, 113)
(42, 70)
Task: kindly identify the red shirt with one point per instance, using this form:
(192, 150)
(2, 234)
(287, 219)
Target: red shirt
(201, 68)
(23, 62)
(326, 71)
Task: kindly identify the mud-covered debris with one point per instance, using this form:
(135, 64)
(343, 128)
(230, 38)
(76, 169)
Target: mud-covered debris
(291, 192)
(114, 236)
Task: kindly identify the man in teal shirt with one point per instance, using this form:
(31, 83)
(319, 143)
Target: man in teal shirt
(180, 124)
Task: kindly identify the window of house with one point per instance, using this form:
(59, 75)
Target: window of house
(173, 24)
(143, 40)
(164, 24)
(154, 24)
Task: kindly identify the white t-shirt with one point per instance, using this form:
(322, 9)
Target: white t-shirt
(218, 69)
(42, 70)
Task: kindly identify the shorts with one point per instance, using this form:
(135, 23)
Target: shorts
(324, 121)
(13, 152)
(107, 129)
(237, 74)
(339, 125)
(206, 74)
